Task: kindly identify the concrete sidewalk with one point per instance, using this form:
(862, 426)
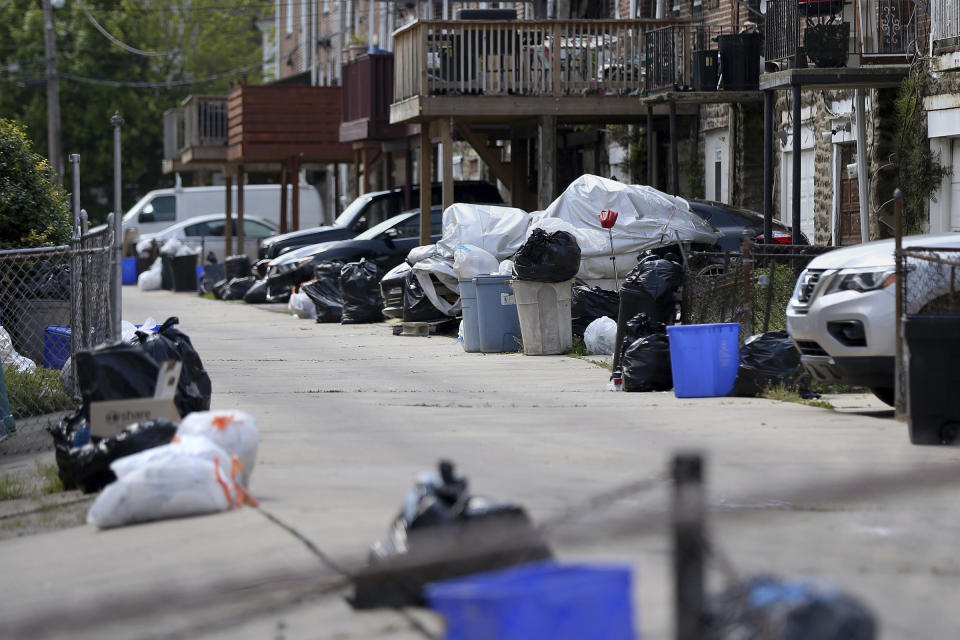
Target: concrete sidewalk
(349, 414)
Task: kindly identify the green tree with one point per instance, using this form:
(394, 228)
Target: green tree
(33, 210)
(203, 40)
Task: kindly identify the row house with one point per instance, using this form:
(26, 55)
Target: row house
(943, 113)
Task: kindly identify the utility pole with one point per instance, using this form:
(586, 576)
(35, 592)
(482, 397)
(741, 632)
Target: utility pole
(53, 93)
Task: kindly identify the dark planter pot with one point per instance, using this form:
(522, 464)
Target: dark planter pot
(705, 70)
(827, 45)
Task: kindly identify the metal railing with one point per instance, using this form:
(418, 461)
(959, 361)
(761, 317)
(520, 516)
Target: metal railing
(54, 302)
(528, 58)
(944, 24)
(878, 31)
(668, 54)
(205, 121)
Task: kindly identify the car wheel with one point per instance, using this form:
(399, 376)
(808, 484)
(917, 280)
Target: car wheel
(885, 394)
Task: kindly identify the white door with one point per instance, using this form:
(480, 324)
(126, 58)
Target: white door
(955, 187)
(806, 190)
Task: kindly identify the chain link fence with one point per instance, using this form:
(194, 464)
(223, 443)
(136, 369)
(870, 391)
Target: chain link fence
(752, 287)
(54, 301)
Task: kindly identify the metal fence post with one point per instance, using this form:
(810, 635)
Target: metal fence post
(115, 312)
(747, 262)
(900, 402)
(75, 161)
(688, 545)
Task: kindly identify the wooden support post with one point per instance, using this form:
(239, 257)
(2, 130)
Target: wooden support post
(426, 182)
(674, 152)
(650, 147)
(228, 224)
(446, 139)
(548, 161)
(241, 248)
(388, 171)
(408, 180)
(367, 170)
(357, 162)
(518, 169)
(283, 198)
(689, 540)
(295, 196)
(797, 150)
(336, 191)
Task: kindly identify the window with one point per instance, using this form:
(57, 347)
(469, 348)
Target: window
(254, 229)
(215, 227)
(409, 228)
(162, 208)
(197, 230)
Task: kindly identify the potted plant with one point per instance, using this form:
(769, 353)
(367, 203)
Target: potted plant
(827, 44)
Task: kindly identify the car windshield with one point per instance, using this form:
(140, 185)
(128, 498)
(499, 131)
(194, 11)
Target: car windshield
(135, 209)
(344, 218)
(373, 232)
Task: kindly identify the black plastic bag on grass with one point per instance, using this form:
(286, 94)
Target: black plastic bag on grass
(547, 257)
(646, 364)
(360, 290)
(590, 303)
(440, 518)
(88, 467)
(416, 305)
(769, 360)
(256, 294)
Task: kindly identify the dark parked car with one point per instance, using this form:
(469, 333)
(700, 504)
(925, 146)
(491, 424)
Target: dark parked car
(386, 244)
(732, 222)
(371, 209)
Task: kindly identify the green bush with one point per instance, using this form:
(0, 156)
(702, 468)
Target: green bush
(33, 210)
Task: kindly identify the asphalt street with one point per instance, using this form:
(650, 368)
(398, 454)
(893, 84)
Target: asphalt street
(349, 414)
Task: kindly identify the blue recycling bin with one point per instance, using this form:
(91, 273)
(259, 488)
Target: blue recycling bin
(7, 424)
(471, 321)
(541, 601)
(56, 347)
(497, 318)
(704, 358)
(129, 271)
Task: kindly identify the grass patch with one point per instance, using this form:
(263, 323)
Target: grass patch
(600, 363)
(12, 487)
(578, 349)
(36, 393)
(49, 479)
(207, 296)
(783, 394)
(830, 387)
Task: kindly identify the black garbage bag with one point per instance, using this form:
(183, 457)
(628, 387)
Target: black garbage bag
(325, 291)
(237, 266)
(547, 257)
(169, 343)
(237, 288)
(657, 277)
(115, 372)
(212, 275)
(769, 360)
(360, 290)
(88, 467)
(220, 288)
(416, 305)
(766, 607)
(440, 520)
(47, 280)
(646, 364)
(641, 326)
(588, 304)
(257, 294)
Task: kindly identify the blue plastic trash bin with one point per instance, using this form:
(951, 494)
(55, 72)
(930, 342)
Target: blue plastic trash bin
(499, 321)
(471, 322)
(200, 270)
(542, 601)
(7, 424)
(704, 358)
(129, 272)
(56, 347)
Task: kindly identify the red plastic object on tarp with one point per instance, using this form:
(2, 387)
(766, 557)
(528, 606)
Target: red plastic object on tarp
(608, 218)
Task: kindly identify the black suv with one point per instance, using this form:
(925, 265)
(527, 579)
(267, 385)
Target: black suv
(371, 209)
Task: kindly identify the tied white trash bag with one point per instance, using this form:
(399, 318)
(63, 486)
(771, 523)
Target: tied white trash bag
(600, 336)
(10, 359)
(233, 431)
(152, 279)
(174, 482)
(470, 261)
(302, 306)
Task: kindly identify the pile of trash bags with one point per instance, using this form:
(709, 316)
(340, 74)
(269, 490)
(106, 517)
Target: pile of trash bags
(770, 360)
(589, 303)
(767, 607)
(324, 291)
(439, 523)
(206, 468)
(360, 292)
(645, 364)
(128, 369)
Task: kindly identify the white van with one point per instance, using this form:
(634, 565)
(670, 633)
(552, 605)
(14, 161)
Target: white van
(161, 208)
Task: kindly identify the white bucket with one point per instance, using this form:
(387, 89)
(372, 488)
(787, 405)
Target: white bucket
(545, 322)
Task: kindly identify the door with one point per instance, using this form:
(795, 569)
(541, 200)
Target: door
(849, 199)
(955, 187)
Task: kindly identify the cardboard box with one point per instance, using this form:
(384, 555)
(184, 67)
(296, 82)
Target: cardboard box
(109, 418)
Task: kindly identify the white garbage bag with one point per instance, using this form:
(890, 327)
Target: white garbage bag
(302, 306)
(470, 261)
(600, 336)
(12, 360)
(182, 445)
(151, 279)
(232, 430)
(506, 268)
(421, 253)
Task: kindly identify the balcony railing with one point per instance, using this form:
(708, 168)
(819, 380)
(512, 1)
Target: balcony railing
(205, 121)
(945, 25)
(668, 59)
(878, 31)
(527, 58)
(367, 87)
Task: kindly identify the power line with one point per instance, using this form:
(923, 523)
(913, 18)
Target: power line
(116, 41)
(157, 85)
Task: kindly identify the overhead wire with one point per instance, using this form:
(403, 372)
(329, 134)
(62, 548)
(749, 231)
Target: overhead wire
(157, 85)
(120, 43)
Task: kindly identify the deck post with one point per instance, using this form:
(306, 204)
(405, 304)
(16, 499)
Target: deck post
(426, 181)
(548, 161)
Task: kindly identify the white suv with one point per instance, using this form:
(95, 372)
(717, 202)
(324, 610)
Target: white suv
(841, 315)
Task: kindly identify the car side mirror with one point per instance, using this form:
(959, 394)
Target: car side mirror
(145, 217)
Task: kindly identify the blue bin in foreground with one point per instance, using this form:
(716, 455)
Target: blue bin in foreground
(704, 358)
(471, 321)
(542, 601)
(497, 316)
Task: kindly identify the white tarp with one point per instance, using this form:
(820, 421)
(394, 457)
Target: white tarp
(498, 230)
(646, 219)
